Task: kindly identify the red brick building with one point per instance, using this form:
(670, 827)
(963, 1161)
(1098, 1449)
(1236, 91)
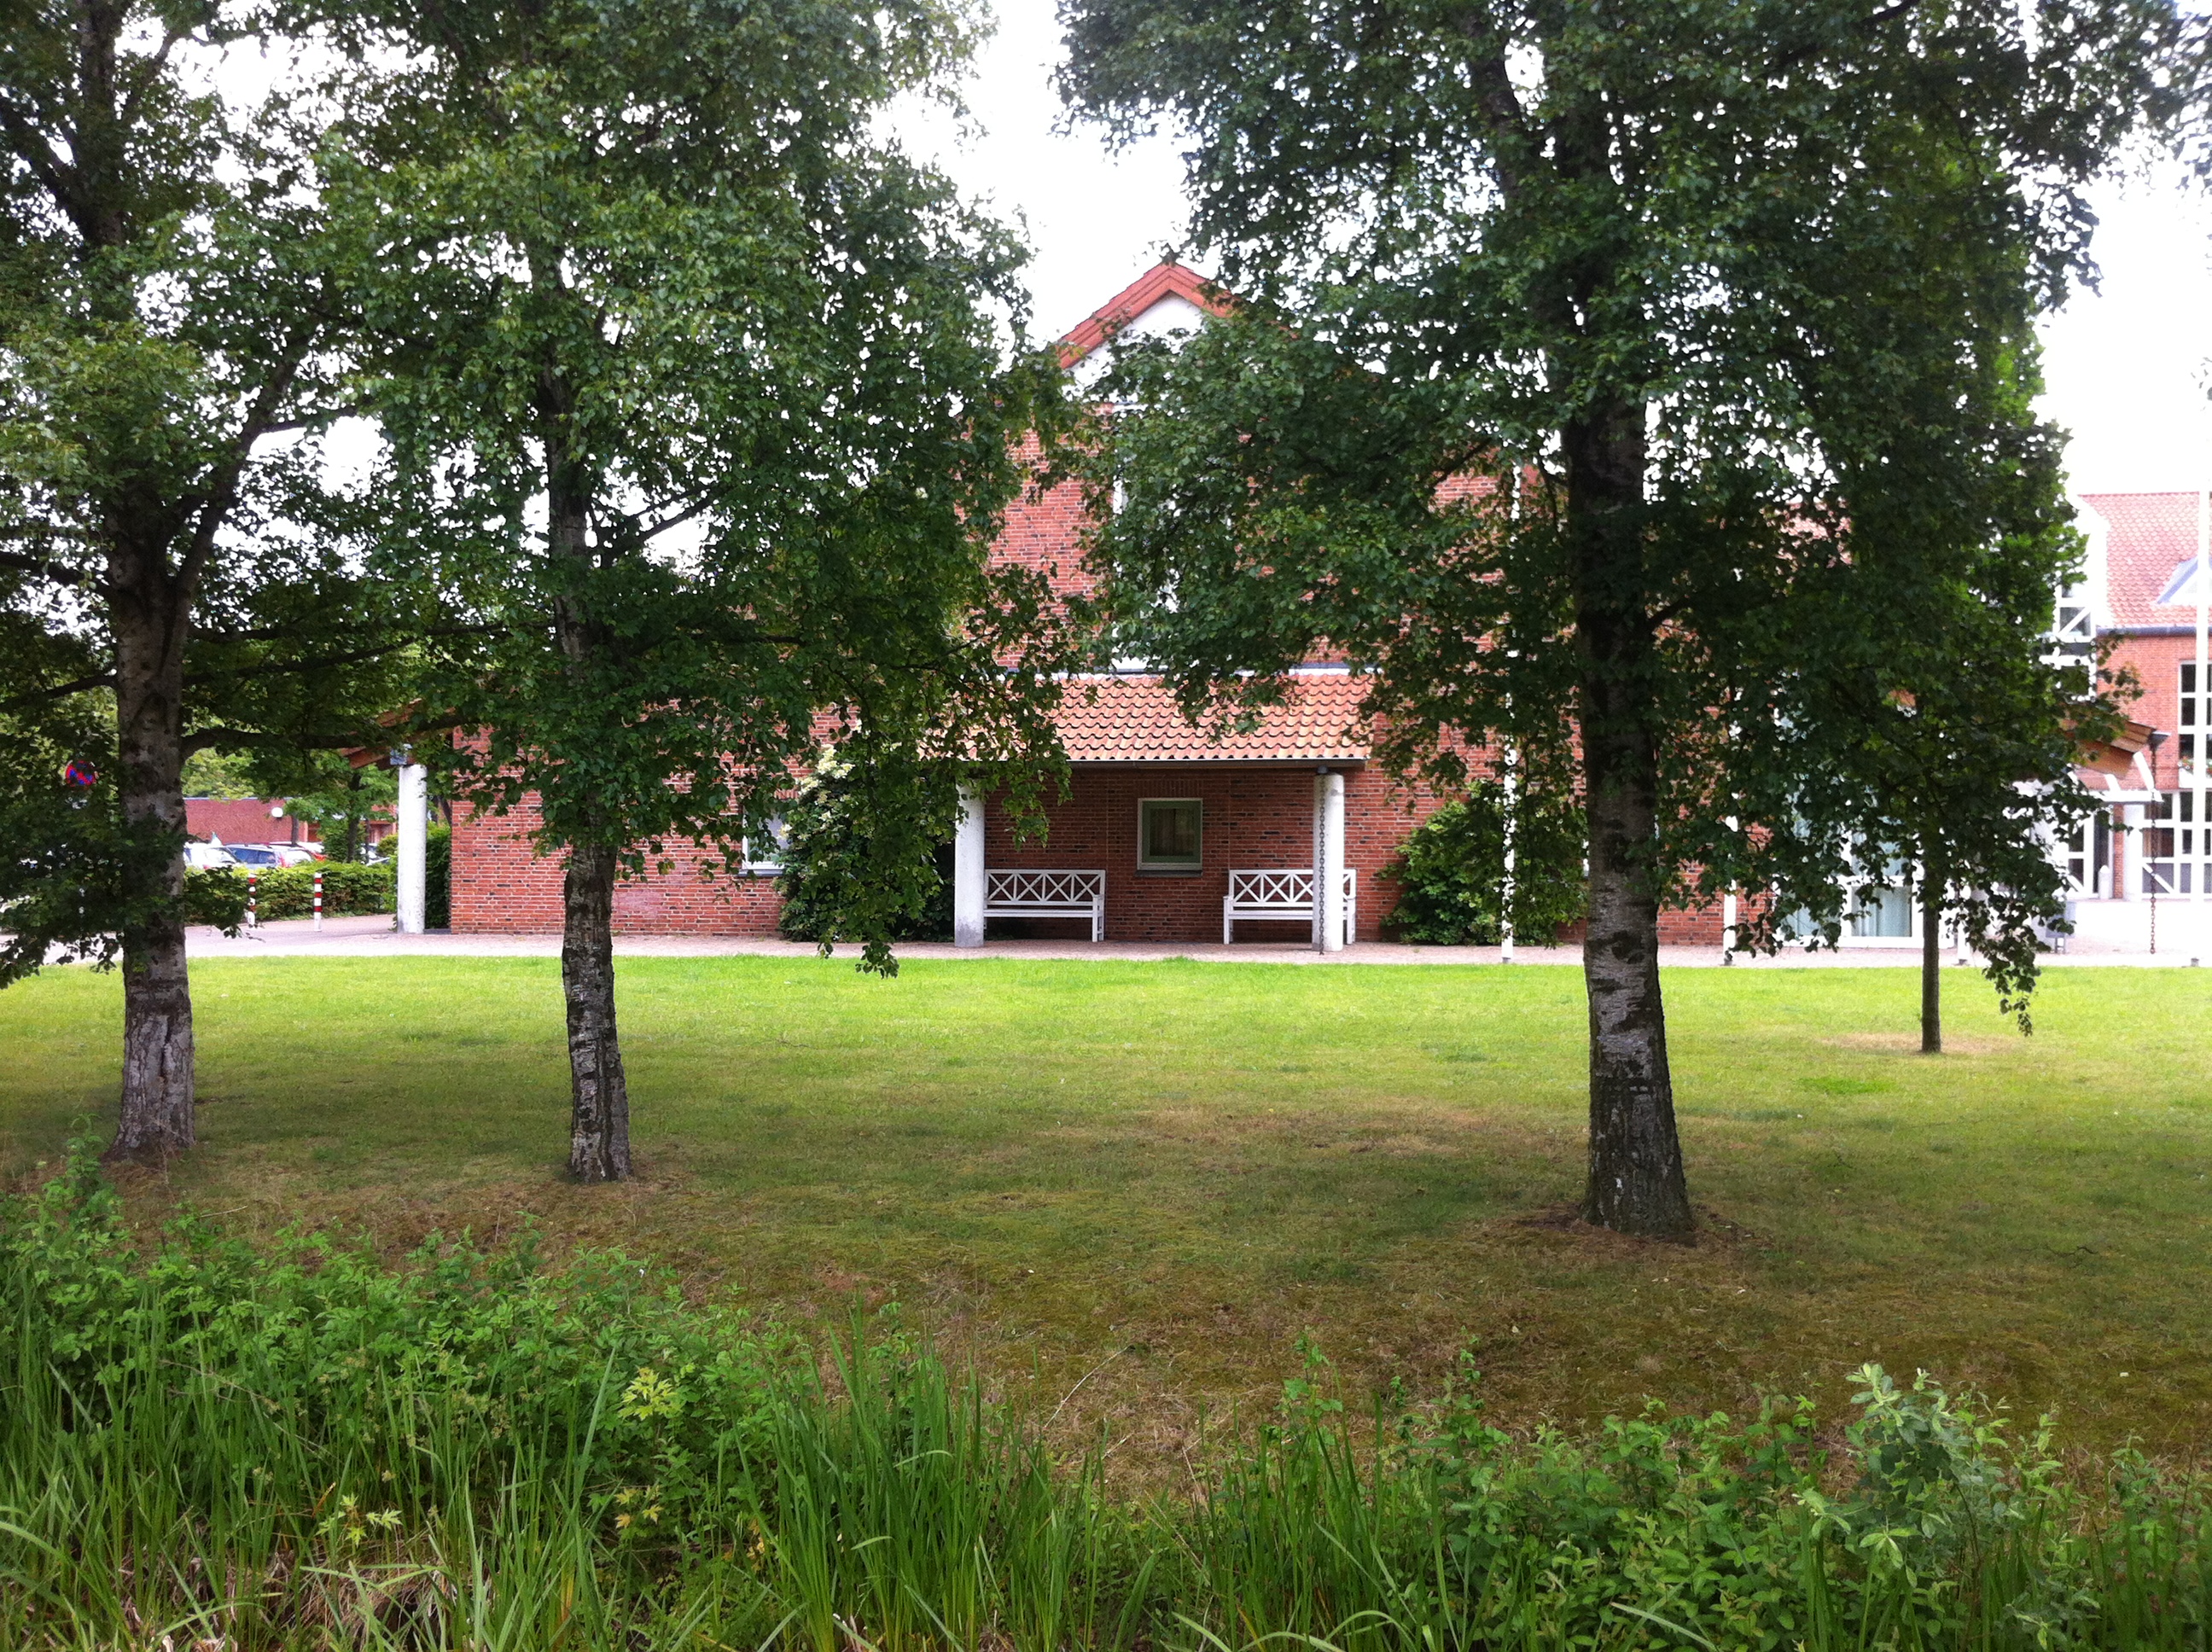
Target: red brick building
(1167, 835)
(246, 820)
(1170, 836)
(2144, 864)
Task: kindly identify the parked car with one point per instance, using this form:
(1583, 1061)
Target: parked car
(256, 857)
(295, 854)
(207, 857)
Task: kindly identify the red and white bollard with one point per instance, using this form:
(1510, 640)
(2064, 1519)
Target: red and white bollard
(319, 902)
(253, 902)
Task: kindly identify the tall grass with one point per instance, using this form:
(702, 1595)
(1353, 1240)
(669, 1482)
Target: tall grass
(203, 1444)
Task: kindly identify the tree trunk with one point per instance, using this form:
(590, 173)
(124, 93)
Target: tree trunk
(598, 1130)
(148, 624)
(1636, 1182)
(1932, 964)
(598, 1126)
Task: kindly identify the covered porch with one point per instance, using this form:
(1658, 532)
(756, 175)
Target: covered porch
(1171, 834)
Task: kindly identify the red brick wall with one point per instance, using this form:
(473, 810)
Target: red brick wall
(244, 820)
(1254, 818)
(503, 886)
(1043, 532)
(2157, 663)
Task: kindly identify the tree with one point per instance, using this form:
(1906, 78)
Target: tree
(1957, 776)
(169, 346)
(696, 404)
(1712, 280)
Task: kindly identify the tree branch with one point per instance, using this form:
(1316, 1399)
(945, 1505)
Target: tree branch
(223, 494)
(207, 739)
(1888, 13)
(59, 178)
(40, 568)
(149, 71)
(290, 667)
(319, 416)
(59, 691)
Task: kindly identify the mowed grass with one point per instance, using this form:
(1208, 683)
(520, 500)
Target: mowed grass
(1131, 1186)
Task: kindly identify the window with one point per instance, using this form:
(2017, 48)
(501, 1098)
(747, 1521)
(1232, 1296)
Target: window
(2089, 855)
(2187, 719)
(2073, 628)
(1880, 914)
(1170, 833)
(765, 853)
(2168, 847)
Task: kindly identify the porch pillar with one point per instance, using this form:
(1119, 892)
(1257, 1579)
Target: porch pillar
(968, 871)
(1328, 862)
(414, 845)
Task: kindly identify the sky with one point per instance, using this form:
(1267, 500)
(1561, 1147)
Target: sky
(2125, 367)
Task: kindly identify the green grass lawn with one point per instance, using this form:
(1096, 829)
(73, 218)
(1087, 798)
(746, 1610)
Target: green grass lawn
(1149, 1178)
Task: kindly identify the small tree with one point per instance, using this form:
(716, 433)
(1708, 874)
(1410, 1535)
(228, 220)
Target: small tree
(696, 404)
(1958, 771)
(1717, 276)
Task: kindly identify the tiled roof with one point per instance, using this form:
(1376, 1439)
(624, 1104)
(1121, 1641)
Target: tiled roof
(1136, 719)
(2147, 538)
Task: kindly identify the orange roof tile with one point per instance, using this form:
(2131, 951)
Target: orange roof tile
(1136, 719)
(2149, 536)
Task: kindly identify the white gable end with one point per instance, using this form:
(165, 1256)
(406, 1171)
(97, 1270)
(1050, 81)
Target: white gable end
(1164, 318)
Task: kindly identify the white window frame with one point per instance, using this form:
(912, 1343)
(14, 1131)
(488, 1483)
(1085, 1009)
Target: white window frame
(778, 835)
(1145, 862)
(2170, 873)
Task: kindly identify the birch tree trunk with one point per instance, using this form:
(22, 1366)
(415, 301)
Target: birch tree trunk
(599, 1119)
(1636, 1180)
(148, 616)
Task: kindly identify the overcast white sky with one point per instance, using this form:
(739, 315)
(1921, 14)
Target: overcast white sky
(2126, 367)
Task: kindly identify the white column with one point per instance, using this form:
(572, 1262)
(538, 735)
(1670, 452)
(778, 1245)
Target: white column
(1512, 789)
(968, 871)
(1728, 915)
(414, 842)
(2203, 724)
(1329, 863)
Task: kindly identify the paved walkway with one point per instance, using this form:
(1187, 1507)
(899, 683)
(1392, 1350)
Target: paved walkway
(375, 938)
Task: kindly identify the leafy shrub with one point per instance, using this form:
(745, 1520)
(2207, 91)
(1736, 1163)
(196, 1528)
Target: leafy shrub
(840, 858)
(438, 878)
(349, 890)
(1451, 873)
(217, 898)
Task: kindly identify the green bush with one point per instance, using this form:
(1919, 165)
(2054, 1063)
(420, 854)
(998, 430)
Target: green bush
(217, 898)
(349, 890)
(438, 879)
(831, 848)
(1452, 873)
(299, 1446)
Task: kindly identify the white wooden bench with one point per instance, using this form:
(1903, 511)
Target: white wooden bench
(1020, 893)
(1281, 894)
